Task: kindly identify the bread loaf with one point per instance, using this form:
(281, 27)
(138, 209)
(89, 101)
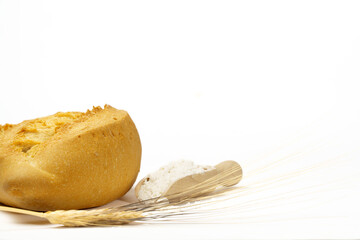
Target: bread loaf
(69, 160)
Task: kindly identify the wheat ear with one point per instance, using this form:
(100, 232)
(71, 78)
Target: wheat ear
(82, 218)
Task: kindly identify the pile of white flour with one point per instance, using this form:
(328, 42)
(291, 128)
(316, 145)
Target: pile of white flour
(157, 183)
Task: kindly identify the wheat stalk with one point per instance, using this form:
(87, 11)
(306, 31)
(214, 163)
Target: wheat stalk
(170, 207)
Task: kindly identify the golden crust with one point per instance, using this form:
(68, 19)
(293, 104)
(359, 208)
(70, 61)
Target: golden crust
(69, 160)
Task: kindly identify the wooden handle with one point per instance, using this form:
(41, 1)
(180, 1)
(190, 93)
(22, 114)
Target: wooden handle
(232, 170)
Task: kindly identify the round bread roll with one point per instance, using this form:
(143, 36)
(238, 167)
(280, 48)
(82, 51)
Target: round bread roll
(69, 160)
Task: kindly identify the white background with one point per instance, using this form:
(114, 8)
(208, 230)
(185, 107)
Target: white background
(202, 80)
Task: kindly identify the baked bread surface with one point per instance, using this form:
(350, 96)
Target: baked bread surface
(69, 160)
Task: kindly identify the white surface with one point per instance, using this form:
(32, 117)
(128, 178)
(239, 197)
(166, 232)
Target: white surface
(207, 81)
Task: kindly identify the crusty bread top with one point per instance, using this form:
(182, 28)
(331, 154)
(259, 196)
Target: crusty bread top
(32, 133)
